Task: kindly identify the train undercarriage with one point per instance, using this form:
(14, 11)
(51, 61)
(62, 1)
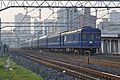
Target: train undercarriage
(76, 51)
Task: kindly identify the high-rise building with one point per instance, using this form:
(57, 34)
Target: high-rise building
(38, 28)
(87, 19)
(68, 18)
(72, 18)
(114, 17)
(22, 28)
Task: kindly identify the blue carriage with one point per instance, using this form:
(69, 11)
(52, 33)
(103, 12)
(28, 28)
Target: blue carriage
(81, 40)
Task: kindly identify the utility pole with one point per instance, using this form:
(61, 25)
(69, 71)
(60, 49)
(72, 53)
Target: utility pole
(40, 14)
(0, 30)
(96, 18)
(1, 47)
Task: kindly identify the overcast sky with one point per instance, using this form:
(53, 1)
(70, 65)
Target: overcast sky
(8, 14)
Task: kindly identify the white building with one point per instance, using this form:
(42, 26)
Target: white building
(114, 17)
(49, 26)
(110, 43)
(38, 28)
(104, 25)
(113, 24)
(107, 26)
(110, 33)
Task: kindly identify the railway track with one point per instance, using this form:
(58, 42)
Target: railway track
(58, 66)
(91, 61)
(83, 59)
(105, 63)
(98, 62)
(95, 61)
(79, 72)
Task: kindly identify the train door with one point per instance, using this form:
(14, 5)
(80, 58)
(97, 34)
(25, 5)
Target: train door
(62, 40)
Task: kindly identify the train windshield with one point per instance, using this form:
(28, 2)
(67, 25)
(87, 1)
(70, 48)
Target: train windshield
(97, 36)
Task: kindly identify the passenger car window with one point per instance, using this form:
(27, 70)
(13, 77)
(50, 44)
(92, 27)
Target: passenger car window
(64, 38)
(84, 36)
(76, 37)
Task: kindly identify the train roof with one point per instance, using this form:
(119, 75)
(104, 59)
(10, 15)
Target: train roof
(69, 32)
(23, 42)
(79, 30)
(43, 37)
(34, 39)
(53, 35)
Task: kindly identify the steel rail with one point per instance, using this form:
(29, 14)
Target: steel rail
(86, 71)
(72, 72)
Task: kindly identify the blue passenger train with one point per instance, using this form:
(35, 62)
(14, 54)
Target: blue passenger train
(78, 41)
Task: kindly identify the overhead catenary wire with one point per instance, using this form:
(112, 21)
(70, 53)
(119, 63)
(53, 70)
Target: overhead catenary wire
(23, 20)
(47, 17)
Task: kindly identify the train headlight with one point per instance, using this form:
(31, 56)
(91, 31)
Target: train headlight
(90, 42)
